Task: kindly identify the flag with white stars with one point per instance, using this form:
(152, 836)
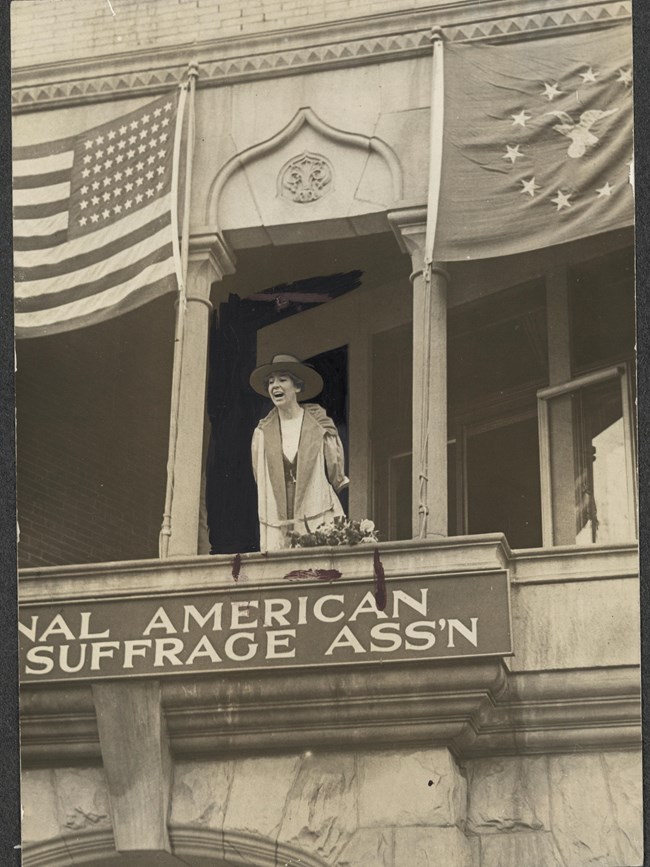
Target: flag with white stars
(94, 221)
(537, 143)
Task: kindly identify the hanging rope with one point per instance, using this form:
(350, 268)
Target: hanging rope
(182, 257)
(435, 175)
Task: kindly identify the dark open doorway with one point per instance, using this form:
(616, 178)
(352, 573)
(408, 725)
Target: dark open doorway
(235, 409)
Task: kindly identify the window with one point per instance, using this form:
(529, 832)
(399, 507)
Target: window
(588, 459)
(497, 360)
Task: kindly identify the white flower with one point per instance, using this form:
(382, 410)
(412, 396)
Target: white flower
(367, 540)
(367, 526)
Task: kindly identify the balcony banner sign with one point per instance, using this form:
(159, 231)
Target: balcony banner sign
(288, 625)
(537, 143)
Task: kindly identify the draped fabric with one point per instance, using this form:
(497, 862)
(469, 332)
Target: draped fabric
(94, 221)
(537, 144)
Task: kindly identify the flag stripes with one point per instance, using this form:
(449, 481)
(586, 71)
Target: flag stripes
(94, 220)
(102, 275)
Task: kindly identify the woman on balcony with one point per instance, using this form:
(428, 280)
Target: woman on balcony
(297, 454)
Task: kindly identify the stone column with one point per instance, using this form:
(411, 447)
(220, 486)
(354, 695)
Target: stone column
(138, 767)
(209, 260)
(429, 376)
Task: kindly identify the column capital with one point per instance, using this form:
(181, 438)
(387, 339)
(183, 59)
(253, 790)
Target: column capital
(210, 259)
(211, 247)
(409, 226)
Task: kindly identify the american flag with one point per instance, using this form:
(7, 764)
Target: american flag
(95, 221)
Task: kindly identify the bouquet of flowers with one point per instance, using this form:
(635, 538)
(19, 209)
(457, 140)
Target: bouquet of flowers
(343, 531)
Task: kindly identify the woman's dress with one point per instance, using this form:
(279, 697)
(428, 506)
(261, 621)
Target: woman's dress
(303, 493)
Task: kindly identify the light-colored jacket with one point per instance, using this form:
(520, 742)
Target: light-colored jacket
(319, 476)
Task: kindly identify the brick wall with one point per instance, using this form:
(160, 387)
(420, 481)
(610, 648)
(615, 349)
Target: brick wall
(46, 31)
(93, 417)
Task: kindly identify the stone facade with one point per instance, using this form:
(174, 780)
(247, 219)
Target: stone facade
(390, 808)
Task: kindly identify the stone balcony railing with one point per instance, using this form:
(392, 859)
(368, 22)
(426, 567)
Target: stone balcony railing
(571, 684)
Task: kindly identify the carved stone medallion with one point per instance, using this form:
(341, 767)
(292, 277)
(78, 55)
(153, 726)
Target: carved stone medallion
(305, 178)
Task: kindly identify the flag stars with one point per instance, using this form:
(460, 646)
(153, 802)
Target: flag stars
(123, 129)
(117, 176)
(97, 169)
(606, 191)
(128, 186)
(84, 190)
(159, 186)
(551, 91)
(161, 154)
(561, 200)
(589, 77)
(107, 196)
(119, 158)
(107, 182)
(151, 159)
(83, 221)
(142, 148)
(85, 173)
(99, 140)
(95, 200)
(146, 118)
(127, 204)
(139, 182)
(160, 170)
(88, 144)
(108, 164)
(521, 118)
(128, 171)
(512, 154)
(111, 134)
(117, 208)
(94, 218)
(110, 149)
(121, 144)
(139, 198)
(163, 137)
(149, 193)
(83, 204)
(133, 139)
(149, 175)
(625, 77)
(117, 192)
(134, 124)
(164, 121)
(95, 185)
(87, 158)
(529, 186)
(168, 106)
(106, 213)
(157, 112)
(155, 127)
(143, 133)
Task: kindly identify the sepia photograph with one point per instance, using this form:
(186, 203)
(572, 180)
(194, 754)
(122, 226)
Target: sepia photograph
(326, 425)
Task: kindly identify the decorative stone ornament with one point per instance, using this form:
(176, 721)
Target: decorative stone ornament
(305, 178)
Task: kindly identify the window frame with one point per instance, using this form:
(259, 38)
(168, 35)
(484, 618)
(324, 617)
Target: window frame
(621, 372)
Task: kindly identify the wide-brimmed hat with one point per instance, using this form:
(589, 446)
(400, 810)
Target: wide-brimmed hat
(313, 381)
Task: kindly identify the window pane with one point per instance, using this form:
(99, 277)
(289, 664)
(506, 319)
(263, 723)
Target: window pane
(452, 498)
(601, 307)
(503, 483)
(400, 484)
(601, 493)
